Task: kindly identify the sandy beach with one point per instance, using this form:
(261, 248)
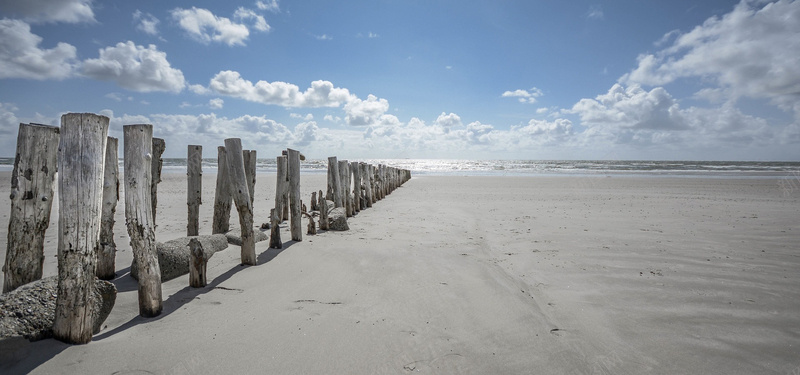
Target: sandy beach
(481, 275)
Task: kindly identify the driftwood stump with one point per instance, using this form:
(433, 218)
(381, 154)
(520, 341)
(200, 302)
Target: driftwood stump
(249, 158)
(194, 188)
(323, 212)
(138, 151)
(334, 182)
(241, 197)
(80, 192)
(314, 206)
(32, 183)
(158, 149)
(221, 223)
(198, 264)
(282, 189)
(107, 249)
(312, 226)
(275, 230)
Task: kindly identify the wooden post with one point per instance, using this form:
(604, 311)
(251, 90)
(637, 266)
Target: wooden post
(294, 194)
(356, 173)
(312, 227)
(314, 205)
(241, 197)
(249, 158)
(107, 249)
(81, 154)
(194, 188)
(32, 183)
(198, 264)
(344, 187)
(323, 212)
(275, 230)
(158, 149)
(139, 218)
(281, 187)
(366, 168)
(334, 182)
(222, 196)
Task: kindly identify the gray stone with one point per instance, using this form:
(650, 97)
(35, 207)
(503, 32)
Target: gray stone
(237, 240)
(29, 310)
(173, 255)
(338, 219)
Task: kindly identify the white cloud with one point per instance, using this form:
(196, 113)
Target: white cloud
(307, 117)
(37, 11)
(542, 110)
(631, 107)
(146, 22)
(270, 5)
(8, 120)
(372, 35)
(305, 133)
(199, 89)
(524, 96)
(204, 26)
(259, 23)
(447, 121)
(323, 37)
(365, 112)
(216, 103)
(752, 51)
(21, 57)
(135, 68)
(320, 94)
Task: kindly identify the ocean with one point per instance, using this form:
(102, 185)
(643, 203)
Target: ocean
(454, 167)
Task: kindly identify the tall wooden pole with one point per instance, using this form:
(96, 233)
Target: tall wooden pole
(344, 187)
(334, 182)
(365, 170)
(194, 188)
(241, 197)
(158, 149)
(221, 222)
(80, 191)
(138, 215)
(107, 249)
(356, 173)
(32, 183)
(281, 187)
(249, 158)
(294, 194)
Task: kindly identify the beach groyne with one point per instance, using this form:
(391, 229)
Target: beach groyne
(89, 192)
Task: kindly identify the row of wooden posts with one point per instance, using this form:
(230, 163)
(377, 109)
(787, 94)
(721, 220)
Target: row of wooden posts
(89, 191)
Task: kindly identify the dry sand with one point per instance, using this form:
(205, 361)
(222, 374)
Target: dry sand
(484, 275)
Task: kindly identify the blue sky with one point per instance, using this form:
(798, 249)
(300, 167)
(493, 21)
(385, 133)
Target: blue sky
(628, 79)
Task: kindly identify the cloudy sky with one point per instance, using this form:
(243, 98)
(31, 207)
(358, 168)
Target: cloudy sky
(517, 79)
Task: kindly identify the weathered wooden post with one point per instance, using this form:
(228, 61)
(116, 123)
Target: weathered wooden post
(158, 149)
(32, 183)
(294, 194)
(281, 186)
(323, 212)
(81, 154)
(198, 264)
(334, 182)
(365, 170)
(249, 158)
(356, 173)
(344, 187)
(314, 205)
(194, 188)
(312, 227)
(139, 218)
(241, 197)
(107, 248)
(275, 230)
(373, 178)
(221, 222)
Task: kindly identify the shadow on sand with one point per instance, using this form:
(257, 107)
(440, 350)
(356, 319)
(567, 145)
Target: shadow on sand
(183, 296)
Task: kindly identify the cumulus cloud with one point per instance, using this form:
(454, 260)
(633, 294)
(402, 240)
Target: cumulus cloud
(320, 94)
(206, 27)
(305, 133)
(21, 57)
(595, 13)
(631, 107)
(447, 121)
(146, 22)
(135, 68)
(8, 120)
(524, 96)
(39, 11)
(244, 14)
(216, 103)
(365, 112)
(750, 52)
